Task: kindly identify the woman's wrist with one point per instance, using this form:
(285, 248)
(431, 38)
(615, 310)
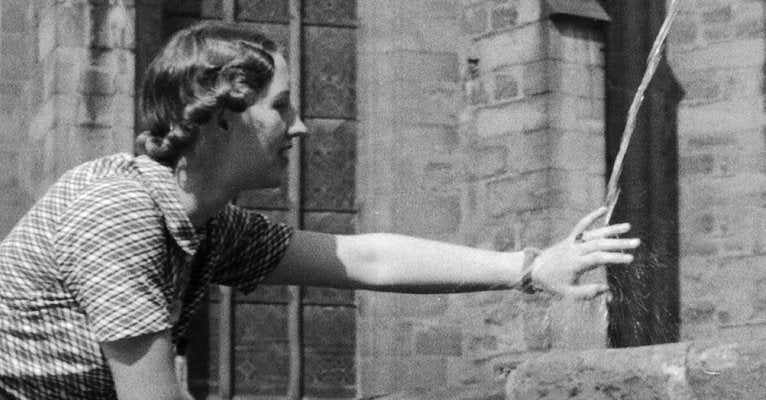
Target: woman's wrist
(526, 284)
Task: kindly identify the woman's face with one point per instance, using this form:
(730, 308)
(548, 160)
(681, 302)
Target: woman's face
(261, 135)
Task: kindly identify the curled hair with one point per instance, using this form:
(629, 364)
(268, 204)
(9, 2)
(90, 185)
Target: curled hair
(203, 70)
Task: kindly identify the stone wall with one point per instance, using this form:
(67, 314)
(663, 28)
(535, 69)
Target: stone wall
(67, 83)
(716, 50)
(408, 180)
(502, 154)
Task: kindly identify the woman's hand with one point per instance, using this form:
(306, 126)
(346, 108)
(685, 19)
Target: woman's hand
(559, 268)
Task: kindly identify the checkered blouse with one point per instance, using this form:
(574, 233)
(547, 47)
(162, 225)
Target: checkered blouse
(106, 254)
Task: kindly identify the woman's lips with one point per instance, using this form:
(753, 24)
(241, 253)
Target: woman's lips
(283, 152)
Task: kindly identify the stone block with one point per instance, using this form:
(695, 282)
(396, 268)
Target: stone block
(262, 369)
(426, 214)
(9, 174)
(478, 91)
(14, 16)
(330, 222)
(699, 248)
(67, 67)
(425, 103)
(441, 175)
(329, 327)
(19, 54)
(728, 55)
(262, 11)
(573, 43)
(328, 165)
(469, 391)
(725, 293)
(10, 92)
(439, 340)
(504, 16)
(387, 375)
(330, 297)
(726, 370)
(684, 33)
(717, 15)
(14, 203)
(37, 165)
(507, 85)
(329, 374)
(525, 115)
(268, 294)
(654, 372)
(429, 139)
(330, 90)
(106, 111)
(44, 121)
(536, 326)
(72, 24)
(122, 66)
(86, 143)
(390, 26)
(338, 13)
(489, 161)
(416, 307)
(577, 151)
(735, 115)
(525, 192)
(113, 27)
(476, 19)
(46, 33)
(124, 138)
(423, 66)
(520, 46)
(706, 87)
(259, 323)
(580, 190)
(97, 81)
(585, 114)
(385, 336)
(748, 30)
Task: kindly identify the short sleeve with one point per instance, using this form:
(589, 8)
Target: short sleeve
(249, 247)
(111, 249)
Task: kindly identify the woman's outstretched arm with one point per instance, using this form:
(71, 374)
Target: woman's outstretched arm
(391, 262)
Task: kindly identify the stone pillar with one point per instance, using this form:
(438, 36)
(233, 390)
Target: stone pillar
(408, 180)
(67, 71)
(534, 135)
(21, 87)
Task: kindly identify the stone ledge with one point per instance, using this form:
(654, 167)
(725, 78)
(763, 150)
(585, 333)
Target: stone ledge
(678, 371)
(699, 370)
(490, 391)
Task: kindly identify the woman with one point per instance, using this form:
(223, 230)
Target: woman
(100, 277)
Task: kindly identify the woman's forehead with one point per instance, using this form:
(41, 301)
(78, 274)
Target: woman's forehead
(281, 79)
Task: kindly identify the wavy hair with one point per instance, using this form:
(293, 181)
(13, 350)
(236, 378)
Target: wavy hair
(202, 70)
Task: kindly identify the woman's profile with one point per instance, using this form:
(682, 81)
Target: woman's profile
(101, 275)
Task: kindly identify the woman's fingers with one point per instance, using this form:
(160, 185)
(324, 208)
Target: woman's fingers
(607, 231)
(586, 292)
(609, 245)
(588, 220)
(598, 258)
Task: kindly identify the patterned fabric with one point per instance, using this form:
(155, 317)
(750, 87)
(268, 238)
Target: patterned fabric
(106, 254)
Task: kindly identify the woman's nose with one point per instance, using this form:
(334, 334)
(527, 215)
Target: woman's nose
(297, 128)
